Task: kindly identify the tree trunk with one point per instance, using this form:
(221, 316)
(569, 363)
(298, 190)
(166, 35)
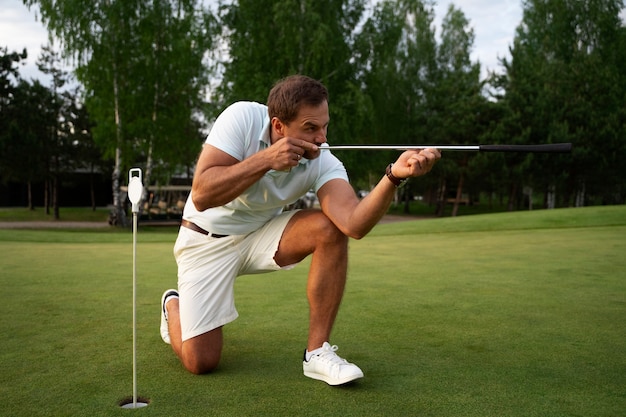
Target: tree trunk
(512, 197)
(46, 196)
(580, 196)
(459, 193)
(29, 188)
(55, 196)
(147, 175)
(407, 201)
(441, 198)
(118, 216)
(55, 188)
(92, 191)
(550, 197)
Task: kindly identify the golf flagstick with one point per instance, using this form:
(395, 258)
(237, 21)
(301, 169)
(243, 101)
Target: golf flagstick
(135, 190)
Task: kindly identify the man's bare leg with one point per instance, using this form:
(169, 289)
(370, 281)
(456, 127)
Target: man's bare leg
(311, 232)
(308, 232)
(200, 354)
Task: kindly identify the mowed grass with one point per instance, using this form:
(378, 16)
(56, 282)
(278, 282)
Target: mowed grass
(512, 314)
(17, 214)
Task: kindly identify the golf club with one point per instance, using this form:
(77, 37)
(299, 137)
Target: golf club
(546, 148)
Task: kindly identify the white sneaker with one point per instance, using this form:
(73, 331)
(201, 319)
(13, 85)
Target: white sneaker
(328, 367)
(165, 331)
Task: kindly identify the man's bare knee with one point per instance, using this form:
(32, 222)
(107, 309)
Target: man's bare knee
(199, 366)
(325, 229)
(201, 354)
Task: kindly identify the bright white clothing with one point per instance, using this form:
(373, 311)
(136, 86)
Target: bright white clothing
(254, 222)
(241, 131)
(208, 266)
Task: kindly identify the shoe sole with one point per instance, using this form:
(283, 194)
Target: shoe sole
(331, 381)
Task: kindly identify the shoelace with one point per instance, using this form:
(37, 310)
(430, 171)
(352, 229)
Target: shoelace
(329, 355)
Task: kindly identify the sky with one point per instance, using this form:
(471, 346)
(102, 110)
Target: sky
(494, 23)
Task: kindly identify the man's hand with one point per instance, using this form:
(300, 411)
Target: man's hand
(286, 153)
(415, 163)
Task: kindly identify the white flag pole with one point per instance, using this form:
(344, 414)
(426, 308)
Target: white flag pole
(135, 190)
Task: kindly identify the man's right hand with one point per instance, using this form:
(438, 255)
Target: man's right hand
(286, 153)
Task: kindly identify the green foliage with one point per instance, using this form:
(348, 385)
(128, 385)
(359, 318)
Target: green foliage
(457, 86)
(9, 111)
(269, 40)
(395, 54)
(158, 90)
(141, 64)
(148, 66)
(563, 84)
(26, 147)
(8, 72)
(45, 131)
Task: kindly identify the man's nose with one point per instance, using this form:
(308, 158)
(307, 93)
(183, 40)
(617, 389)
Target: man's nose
(321, 137)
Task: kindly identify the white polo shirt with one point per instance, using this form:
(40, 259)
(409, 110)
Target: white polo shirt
(241, 131)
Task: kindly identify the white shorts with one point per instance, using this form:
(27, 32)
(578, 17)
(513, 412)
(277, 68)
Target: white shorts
(207, 268)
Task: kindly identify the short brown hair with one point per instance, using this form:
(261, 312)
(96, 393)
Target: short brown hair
(290, 93)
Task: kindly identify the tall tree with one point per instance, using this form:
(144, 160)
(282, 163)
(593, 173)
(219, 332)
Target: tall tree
(175, 37)
(395, 54)
(270, 39)
(10, 168)
(9, 73)
(25, 146)
(98, 34)
(128, 55)
(81, 151)
(561, 86)
(49, 62)
(457, 96)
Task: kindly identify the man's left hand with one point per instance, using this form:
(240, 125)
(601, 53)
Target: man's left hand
(414, 163)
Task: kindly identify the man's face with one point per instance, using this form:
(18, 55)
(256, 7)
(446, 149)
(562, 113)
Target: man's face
(310, 125)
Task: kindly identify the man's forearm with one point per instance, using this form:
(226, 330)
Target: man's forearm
(219, 185)
(372, 208)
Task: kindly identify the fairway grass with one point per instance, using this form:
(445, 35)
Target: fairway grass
(511, 314)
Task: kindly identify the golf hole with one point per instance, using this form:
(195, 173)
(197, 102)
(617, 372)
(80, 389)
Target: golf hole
(129, 403)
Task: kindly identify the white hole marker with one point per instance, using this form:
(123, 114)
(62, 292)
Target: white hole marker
(135, 190)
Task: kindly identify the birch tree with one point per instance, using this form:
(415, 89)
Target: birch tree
(138, 60)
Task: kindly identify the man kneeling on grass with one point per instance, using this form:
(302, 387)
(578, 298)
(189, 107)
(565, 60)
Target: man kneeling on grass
(256, 160)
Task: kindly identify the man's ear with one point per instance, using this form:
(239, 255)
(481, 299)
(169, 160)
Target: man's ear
(278, 126)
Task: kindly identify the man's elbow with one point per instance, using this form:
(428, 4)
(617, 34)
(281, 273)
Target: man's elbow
(356, 233)
(201, 204)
